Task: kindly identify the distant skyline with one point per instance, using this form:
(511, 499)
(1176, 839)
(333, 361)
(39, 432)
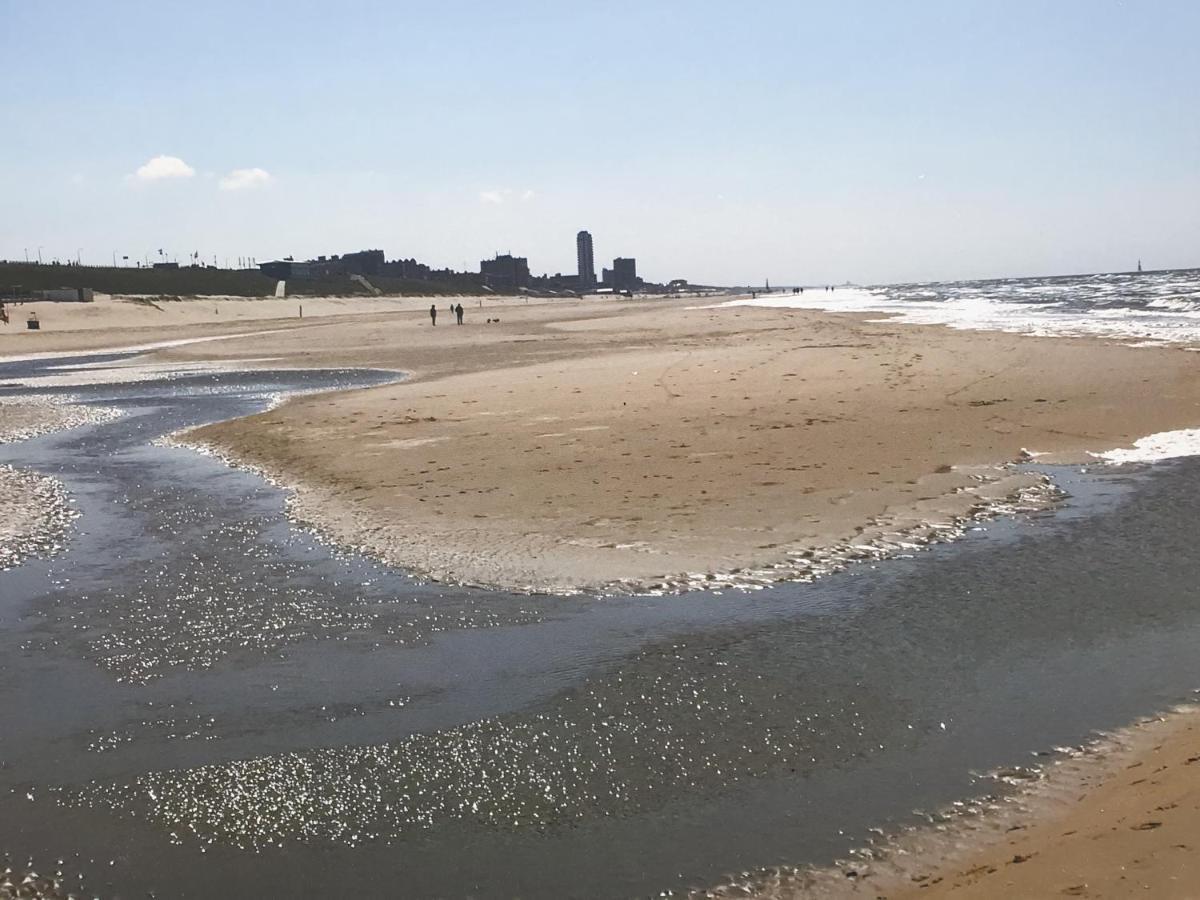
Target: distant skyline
(801, 142)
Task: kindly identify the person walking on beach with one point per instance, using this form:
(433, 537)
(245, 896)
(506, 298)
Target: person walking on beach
(433, 313)
(458, 311)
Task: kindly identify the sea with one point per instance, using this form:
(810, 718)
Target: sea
(1135, 307)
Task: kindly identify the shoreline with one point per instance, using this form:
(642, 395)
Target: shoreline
(1052, 828)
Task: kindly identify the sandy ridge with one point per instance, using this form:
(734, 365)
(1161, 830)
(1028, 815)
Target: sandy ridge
(992, 492)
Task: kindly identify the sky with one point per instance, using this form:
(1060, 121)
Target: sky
(725, 143)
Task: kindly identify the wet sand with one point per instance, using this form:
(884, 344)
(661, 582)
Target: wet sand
(34, 515)
(1117, 817)
(33, 508)
(1130, 828)
(25, 419)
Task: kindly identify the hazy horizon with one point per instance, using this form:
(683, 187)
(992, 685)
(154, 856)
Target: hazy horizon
(789, 141)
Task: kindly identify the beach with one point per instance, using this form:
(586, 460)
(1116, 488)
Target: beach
(600, 446)
(653, 446)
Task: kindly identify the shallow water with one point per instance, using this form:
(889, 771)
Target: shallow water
(202, 700)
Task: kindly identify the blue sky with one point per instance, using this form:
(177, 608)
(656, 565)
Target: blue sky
(722, 142)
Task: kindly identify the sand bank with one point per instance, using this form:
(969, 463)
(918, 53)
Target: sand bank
(26, 418)
(649, 445)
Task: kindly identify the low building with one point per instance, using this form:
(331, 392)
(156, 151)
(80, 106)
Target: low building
(363, 262)
(624, 274)
(407, 268)
(66, 295)
(286, 269)
(505, 272)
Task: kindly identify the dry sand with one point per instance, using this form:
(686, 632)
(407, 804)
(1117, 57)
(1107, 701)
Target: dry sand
(120, 321)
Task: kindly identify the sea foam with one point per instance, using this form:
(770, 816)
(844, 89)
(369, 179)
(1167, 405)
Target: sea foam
(1154, 447)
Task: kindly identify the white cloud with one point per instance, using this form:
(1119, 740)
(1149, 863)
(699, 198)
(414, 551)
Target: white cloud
(161, 167)
(504, 195)
(245, 179)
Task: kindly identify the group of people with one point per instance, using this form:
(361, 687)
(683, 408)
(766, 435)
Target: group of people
(454, 310)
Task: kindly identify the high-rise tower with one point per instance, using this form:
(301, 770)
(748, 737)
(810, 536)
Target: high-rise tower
(587, 265)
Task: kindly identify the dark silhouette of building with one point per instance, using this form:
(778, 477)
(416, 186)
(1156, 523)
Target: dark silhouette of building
(285, 269)
(407, 268)
(364, 262)
(587, 264)
(624, 274)
(505, 272)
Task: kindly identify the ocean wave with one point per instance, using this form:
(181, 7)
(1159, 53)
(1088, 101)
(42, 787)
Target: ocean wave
(1156, 308)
